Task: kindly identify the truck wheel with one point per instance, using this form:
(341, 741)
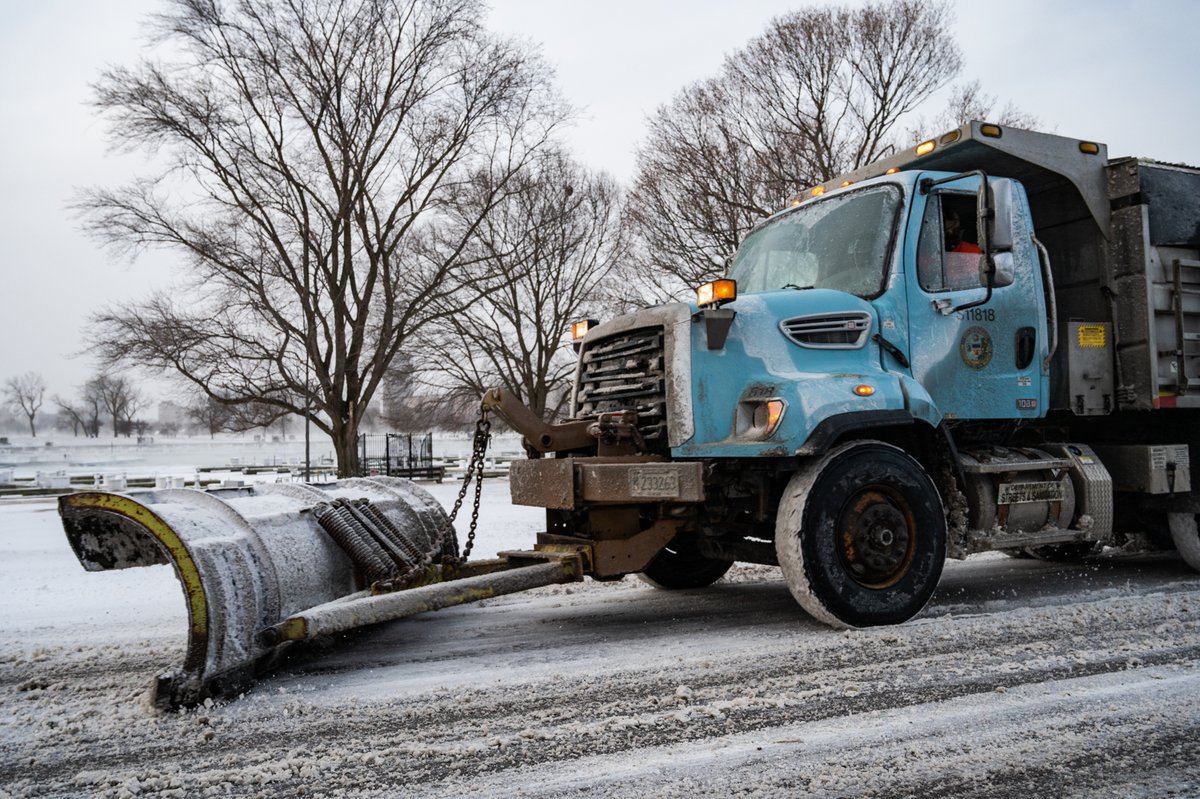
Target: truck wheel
(1186, 537)
(680, 567)
(861, 536)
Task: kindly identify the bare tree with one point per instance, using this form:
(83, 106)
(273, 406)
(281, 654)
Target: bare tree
(405, 407)
(309, 147)
(820, 92)
(209, 414)
(967, 102)
(26, 394)
(71, 412)
(120, 399)
(86, 411)
(215, 415)
(540, 256)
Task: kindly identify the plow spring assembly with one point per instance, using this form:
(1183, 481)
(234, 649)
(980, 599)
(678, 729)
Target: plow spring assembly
(268, 565)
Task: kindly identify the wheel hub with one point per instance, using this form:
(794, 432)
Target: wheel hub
(876, 536)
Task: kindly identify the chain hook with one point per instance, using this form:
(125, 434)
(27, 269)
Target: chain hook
(483, 436)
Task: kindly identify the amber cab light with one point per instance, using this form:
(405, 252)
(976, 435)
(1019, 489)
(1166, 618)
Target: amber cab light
(580, 329)
(717, 292)
(864, 390)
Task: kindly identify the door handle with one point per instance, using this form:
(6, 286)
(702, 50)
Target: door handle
(1025, 348)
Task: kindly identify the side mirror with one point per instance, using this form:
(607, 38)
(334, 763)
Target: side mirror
(1000, 219)
(1005, 271)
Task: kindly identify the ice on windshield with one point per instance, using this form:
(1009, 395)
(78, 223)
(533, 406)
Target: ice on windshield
(836, 243)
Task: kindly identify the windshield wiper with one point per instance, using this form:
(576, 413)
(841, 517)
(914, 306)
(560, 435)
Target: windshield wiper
(794, 286)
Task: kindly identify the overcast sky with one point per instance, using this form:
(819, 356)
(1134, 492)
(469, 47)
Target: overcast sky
(1124, 73)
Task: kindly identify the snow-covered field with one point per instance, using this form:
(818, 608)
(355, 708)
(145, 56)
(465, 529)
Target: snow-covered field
(1022, 679)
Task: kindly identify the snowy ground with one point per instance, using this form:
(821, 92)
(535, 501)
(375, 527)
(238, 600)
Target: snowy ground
(1021, 679)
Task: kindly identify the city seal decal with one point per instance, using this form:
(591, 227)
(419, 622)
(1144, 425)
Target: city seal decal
(976, 348)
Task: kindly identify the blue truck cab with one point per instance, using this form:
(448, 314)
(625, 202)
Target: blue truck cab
(856, 302)
(878, 383)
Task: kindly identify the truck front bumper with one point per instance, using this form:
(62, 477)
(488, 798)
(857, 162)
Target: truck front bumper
(572, 483)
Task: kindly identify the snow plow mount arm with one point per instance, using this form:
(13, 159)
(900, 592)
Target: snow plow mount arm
(539, 436)
(510, 573)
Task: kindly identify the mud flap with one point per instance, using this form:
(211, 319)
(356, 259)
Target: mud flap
(247, 559)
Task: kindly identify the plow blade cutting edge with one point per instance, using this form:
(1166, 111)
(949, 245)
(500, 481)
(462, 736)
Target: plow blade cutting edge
(253, 561)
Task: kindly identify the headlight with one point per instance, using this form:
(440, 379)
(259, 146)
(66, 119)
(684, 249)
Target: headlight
(759, 419)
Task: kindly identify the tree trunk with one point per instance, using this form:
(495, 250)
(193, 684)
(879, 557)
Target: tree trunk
(32, 431)
(345, 443)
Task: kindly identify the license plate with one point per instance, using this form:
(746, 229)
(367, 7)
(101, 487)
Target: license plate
(1016, 493)
(656, 483)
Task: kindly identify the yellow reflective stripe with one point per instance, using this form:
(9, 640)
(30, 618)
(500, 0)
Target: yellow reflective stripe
(185, 567)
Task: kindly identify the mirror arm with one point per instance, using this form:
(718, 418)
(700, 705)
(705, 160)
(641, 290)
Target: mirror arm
(991, 272)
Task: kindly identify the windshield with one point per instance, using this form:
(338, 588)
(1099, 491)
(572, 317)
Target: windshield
(837, 243)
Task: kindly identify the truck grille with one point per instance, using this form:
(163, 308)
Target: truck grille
(626, 372)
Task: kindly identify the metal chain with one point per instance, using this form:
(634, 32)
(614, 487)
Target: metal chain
(483, 435)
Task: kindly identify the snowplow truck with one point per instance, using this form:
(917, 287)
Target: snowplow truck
(990, 341)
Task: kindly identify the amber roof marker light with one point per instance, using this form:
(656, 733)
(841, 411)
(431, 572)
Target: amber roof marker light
(716, 293)
(579, 330)
(717, 320)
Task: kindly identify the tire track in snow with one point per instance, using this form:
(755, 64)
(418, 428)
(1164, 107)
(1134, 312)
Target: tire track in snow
(611, 675)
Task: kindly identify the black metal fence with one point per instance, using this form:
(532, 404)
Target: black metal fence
(399, 455)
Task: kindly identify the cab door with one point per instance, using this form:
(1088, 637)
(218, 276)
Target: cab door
(985, 361)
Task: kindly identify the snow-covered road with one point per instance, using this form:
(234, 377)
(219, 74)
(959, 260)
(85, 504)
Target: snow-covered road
(1021, 679)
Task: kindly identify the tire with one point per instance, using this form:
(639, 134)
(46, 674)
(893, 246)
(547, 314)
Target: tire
(680, 567)
(1186, 537)
(861, 536)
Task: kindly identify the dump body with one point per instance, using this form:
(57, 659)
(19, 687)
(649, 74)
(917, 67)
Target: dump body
(1154, 257)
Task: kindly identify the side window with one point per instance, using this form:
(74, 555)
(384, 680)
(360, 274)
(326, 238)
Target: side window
(947, 253)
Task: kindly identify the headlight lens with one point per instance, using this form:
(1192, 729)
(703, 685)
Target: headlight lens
(759, 418)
